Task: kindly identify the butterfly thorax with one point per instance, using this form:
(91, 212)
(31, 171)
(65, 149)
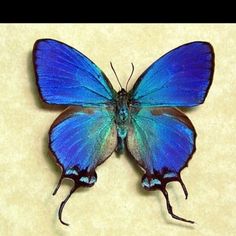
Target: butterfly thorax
(122, 118)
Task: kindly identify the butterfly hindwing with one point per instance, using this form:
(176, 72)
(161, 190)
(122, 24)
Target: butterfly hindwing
(66, 76)
(162, 140)
(181, 78)
(81, 139)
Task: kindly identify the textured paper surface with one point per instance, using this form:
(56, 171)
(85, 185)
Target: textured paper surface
(116, 205)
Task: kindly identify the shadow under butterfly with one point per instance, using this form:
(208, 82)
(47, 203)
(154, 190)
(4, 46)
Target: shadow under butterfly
(144, 120)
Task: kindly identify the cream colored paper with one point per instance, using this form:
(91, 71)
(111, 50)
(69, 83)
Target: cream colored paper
(116, 205)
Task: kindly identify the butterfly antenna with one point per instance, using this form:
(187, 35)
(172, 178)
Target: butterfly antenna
(63, 204)
(115, 74)
(169, 208)
(130, 75)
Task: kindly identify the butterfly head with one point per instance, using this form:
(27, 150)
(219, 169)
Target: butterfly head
(122, 93)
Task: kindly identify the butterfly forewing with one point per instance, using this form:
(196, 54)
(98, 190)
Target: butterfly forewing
(180, 78)
(66, 76)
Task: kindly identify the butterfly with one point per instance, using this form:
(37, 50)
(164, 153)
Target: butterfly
(145, 121)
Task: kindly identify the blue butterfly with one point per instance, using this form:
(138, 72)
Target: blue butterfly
(144, 120)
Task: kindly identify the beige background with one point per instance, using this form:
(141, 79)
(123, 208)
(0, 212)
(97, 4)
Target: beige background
(116, 205)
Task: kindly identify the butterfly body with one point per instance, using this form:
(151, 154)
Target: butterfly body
(122, 118)
(145, 120)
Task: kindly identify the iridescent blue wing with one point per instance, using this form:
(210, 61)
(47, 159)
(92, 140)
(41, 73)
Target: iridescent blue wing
(66, 76)
(81, 139)
(162, 140)
(181, 77)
